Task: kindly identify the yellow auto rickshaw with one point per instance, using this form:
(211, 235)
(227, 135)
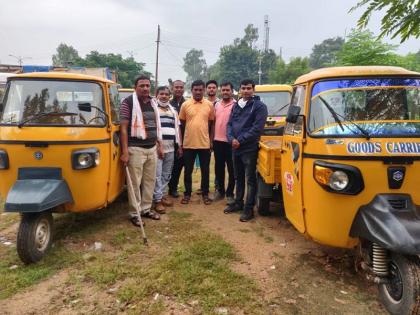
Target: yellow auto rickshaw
(124, 92)
(349, 166)
(277, 99)
(59, 151)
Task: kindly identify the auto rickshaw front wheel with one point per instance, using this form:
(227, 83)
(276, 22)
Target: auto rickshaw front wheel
(34, 236)
(401, 294)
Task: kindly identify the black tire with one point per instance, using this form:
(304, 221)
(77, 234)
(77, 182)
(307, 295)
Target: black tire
(402, 294)
(34, 237)
(263, 206)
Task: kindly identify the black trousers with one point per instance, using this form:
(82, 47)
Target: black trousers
(189, 159)
(223, 157)
(245, 166)
(176, 173)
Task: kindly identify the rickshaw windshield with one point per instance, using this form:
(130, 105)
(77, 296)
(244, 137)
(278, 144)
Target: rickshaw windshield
(276, 102)
(31, 101)
(383, 107)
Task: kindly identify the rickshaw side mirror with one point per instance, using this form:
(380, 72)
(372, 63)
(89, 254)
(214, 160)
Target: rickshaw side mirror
(84, 107)
(293, 114)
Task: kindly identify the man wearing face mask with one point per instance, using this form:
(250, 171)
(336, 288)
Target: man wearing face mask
(246, 123)
(171, 137)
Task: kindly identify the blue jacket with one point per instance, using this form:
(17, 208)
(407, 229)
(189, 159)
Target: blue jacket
(246, 125)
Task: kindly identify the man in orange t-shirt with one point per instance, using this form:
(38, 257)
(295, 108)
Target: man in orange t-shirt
(197, 116)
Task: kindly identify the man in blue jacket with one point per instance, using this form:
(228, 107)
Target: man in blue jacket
(246, 123)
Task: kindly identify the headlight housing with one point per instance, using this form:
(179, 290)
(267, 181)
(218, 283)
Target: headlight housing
(338, 178)
(85, 158)
(4, 160)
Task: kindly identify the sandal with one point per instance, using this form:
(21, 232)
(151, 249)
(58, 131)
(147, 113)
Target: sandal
(135, 221)
(207, 200)
(185, 200)
(151, 215)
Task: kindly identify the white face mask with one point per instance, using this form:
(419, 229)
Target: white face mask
(242, 103)
(163, 104)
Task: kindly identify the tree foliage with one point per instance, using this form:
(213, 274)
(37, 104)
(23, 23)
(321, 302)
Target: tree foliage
(66, 56)
(288, 73)
(402, 17)
(362, 48)
(127, 68)
(325, 53)
(195, 66)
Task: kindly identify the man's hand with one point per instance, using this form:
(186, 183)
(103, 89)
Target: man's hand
(160, 152)
(124, 159)
(179, 153)
(235, 144)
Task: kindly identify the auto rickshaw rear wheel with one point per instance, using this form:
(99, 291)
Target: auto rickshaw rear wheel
(263, 206)
(34, 236)
(401, 294)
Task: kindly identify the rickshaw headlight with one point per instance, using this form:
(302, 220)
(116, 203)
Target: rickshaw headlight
(86, 158)
(339, 180)
(4, 160)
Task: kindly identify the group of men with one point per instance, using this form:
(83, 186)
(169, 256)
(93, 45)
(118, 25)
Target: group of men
(160, 137)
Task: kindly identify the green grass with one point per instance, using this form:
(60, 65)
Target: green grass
(199, 271)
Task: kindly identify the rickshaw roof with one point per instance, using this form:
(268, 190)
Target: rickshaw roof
(125, 90)
(61, 75)
(273, 88)
(354, 71)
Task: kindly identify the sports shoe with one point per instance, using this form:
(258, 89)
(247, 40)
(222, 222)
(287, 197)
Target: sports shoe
(230, 200)
(218, 196)
(232, 208)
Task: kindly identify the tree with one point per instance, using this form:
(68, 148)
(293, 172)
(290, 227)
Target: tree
(127, 68)
(251, 35)
(66, 56)
(362, 48)
(195, 66)
(325, 53)
(402, 17)
(288, 73)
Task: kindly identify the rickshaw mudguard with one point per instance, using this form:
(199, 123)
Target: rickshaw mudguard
(37, 190)
(390, 220)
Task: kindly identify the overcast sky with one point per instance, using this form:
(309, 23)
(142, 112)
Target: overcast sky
(34, 29)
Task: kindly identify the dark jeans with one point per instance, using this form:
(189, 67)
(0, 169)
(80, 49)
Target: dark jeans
(189, 159)
(245, 166)
(223, 156)
(176, 173)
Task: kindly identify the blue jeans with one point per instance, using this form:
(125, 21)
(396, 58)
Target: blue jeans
(163, 175)
(245, 166)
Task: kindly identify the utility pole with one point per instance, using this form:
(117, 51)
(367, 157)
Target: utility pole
(157, 58)
(266, 33)
(20, 59)
(259, 68)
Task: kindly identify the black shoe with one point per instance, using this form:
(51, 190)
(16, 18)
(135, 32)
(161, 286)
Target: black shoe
(232, 208)
(174, 194)
(246, 216)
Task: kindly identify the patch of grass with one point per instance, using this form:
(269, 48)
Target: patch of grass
(244, 230)
(194, 271)
(11, 281)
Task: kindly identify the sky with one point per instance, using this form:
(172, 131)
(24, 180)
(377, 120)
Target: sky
(33, 29)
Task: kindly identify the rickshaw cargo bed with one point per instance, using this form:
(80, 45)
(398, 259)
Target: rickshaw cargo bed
(269, 161)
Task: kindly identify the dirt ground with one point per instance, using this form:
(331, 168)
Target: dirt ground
(293, 275)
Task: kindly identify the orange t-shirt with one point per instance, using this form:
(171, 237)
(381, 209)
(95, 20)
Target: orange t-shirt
(197, 116)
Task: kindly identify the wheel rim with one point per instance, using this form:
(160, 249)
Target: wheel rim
(394, 287)
(42, 235)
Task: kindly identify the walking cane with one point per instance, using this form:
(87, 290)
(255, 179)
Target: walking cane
(133, 197)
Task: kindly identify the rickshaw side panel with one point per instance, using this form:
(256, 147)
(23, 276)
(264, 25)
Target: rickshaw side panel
(269, 160)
